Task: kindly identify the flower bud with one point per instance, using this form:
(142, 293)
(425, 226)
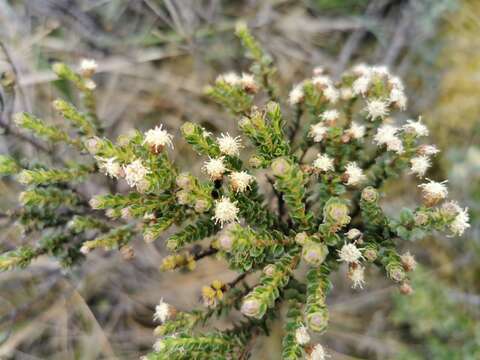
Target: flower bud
(85, 249)
(408, 262)
(255, 161)
(314, 253)
(370, 194)
(370, 254)
(302, 336)
(396, 273)
(336, 212)
(406, 288)
(95, 203)
(301, 238)
(251, 307)
(183, 197)
(226, 241)
(201, 205)
(188, 129)
(421, 218)
(269, 270)
(184, 181)
(353, 234)
(93, 145)
(318, 321)
(280, 166)
(127, 252)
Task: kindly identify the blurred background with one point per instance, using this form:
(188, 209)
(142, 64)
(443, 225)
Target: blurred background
(155, 58)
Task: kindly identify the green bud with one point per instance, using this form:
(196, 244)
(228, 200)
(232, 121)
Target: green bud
(318, 321)
(280, 166)
(314, 253)
(370, 194)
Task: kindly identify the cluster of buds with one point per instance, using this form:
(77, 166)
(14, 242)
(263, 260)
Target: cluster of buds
(323, 212)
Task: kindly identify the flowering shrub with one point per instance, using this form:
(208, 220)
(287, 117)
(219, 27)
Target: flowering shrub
(327, 211)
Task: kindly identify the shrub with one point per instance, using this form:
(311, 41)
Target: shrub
(327, 212)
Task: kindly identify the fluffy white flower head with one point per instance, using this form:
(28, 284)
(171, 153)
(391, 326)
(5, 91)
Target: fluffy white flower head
(434, 191)
(322, 81)
(229, 145)
(420, 165)
(230, 78)
(318, 132)
(376, 108)
(428, 150)
(416, 127)
(356, 131)
(354, 174)
(318, 353)
(88, 66)
(135, 173)
(248, 82)
(296, 95)
(349, 253)
(111, 166)
(158, 138)
(163, 311)
(361, 85)
(386, 135)
(331, 94)
(398, 98)
(225, 211)
(215, 168)
(323, 162)
(461, 222)
(357, 276)
(240, 180)
(330, 115)
(302, 336)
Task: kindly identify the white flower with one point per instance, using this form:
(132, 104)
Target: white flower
(357, 276)
(461, 222)
(376, 108)
(380, 70)
(135, 173)
(420, 165)
(322, 81)
(356, 131)
(354, 174)
(215, 168)
(408, 261)
(349, 253)
(331, 94)
(301, 335)
(330, 115)
(158, 138)
(230, 78)
(318, 353)
(240, 181)
(434, 191)
(225, 211)
(111, 166)
(248, 83)
(163, 311)
(346, 93)
(296, 95)
(398, 98)
(353, 234)
(386, 135)
(428, 150)
(416, 128)
(229, 145)
(396, 83)
(88, 67)
(318, 132)
(318, 70)
(361, 85)
(90, 85)
(323, 162)
(361, 69)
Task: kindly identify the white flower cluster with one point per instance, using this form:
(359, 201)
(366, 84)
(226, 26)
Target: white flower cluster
(323, 163)
(158, 138)
(226, 211)
(246, 81)
(229, 145)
